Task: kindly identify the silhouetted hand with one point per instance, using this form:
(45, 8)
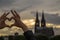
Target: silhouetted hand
(18, 21)
(2, 20)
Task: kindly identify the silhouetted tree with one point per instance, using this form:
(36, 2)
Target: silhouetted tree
(56, 37)
(41, 37)
(1, 38)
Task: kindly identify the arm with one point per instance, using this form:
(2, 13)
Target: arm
(27, 33)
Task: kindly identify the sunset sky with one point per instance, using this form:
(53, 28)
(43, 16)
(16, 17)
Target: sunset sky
(27, 10)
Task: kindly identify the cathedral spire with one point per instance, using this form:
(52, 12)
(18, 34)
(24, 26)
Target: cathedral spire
(43, 22)
(37, 24)
(43, 15)
(37, 20)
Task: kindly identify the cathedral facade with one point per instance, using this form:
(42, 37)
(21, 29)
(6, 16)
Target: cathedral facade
(43, 30)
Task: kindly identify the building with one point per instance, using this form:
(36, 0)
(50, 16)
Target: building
(37, 24)
(43, 30)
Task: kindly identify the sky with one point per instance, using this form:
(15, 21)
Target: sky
(27, 9)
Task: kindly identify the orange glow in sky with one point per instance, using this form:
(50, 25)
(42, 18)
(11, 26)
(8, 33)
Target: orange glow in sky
(31, 22)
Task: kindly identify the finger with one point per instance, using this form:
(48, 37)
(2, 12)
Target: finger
(5, 18)
(12, 18)
(13, 12)
(16, 13)
(7, 26)
(13, 25)
(4, 15)
(7, 13)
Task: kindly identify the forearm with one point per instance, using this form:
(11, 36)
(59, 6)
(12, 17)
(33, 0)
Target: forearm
(23, 26)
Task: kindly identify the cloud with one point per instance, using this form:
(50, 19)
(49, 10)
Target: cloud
(49, 5)
(6, 3)
(50, 18)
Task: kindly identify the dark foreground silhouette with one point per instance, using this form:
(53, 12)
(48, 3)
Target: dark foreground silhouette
(22, 37)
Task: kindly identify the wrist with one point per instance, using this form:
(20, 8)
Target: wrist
(25, 29)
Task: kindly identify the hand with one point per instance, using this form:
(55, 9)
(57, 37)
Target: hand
(18, 21)
(2, 20)
(16, 18)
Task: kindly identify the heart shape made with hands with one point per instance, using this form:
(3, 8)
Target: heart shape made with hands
(10, 22)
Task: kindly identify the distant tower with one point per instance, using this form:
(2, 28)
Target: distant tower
(43, 22)
(37, 23)
(48, 31)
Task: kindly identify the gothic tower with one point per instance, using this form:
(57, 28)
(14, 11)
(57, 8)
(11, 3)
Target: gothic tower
(43, 22)
(37, 24)
(48, 31)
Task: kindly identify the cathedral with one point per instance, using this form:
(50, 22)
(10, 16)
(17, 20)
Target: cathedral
(43, 30)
